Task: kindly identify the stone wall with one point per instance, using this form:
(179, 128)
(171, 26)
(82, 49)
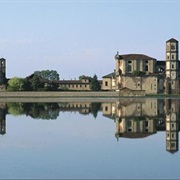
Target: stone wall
(58, 94)
(130, 92)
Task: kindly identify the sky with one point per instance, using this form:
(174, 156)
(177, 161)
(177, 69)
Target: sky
(81, 37)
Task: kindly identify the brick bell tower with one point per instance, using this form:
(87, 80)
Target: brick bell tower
(2, 73)
(172, 67)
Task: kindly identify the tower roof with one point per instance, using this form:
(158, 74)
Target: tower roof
(172, 40)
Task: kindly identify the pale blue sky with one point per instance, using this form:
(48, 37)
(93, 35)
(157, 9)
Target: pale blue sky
(82, 37)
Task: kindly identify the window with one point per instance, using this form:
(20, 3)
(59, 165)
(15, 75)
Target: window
(172, 56)
(106, 108)
(106, 83)
(172, 66)
(146, 68)
(129, 123)
(173, 145)
(172, 47)
(129, 68)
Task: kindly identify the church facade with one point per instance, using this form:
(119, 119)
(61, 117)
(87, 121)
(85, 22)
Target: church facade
(142, 72)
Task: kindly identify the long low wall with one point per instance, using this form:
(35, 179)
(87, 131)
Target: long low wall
(58, 94)
(6, 96)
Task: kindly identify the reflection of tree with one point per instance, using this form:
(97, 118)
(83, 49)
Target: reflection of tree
(15, 109)
(95, 107)
(35, 110)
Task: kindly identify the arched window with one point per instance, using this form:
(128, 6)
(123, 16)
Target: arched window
(129, 69)
(146, 68)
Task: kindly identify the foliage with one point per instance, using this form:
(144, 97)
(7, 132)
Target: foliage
(50, 75)
(95, 107)
(15, 109)
(83, 76)
(36, 84)
(51, 86)
(35, 110)
(16, 84)
(94, 83)
(63, 88)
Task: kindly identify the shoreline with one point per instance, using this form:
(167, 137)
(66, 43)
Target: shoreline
(51, 96)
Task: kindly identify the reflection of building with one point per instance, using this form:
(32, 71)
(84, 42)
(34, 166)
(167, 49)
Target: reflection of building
(81, 107)
(141, 72)
(139, 118)
(172, 126)
(2, 119)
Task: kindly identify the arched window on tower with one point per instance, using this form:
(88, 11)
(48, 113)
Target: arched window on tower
(146, 68)
(129, 68)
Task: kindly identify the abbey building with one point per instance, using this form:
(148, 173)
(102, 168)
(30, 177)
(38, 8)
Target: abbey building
(145, 73)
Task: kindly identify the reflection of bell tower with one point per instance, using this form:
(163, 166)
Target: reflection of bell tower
(2, 122)
(172, 128)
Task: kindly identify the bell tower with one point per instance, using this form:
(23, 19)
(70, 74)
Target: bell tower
(172, 59)
(2, 71)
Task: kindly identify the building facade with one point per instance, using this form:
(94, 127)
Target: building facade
(142, 72)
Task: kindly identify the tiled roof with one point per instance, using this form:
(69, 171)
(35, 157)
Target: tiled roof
(136, 134)
(135, 56)
(70, 82)
(172, 40)
(109, 75)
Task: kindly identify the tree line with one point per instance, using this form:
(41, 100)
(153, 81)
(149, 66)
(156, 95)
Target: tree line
(45, 80)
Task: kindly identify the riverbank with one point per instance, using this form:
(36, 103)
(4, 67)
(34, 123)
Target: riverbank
(52, 94)
(7, 96)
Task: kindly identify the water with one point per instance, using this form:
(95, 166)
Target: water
(119, 139)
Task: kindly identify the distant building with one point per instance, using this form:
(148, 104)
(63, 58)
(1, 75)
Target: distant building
(142, 72)
(82, 84)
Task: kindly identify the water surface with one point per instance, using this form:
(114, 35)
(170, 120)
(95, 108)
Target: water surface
(126, 138)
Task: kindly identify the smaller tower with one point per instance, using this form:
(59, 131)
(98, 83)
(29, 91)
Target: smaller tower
(172, 59)
(2, 71)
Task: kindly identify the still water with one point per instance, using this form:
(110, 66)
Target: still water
(119, 139)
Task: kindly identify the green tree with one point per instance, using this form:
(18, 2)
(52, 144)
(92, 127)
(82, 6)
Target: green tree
(50, 75)
(95, 107)
(16, 84)
(36, 83)
(83, 76)
(94, 83)
(15, 109)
